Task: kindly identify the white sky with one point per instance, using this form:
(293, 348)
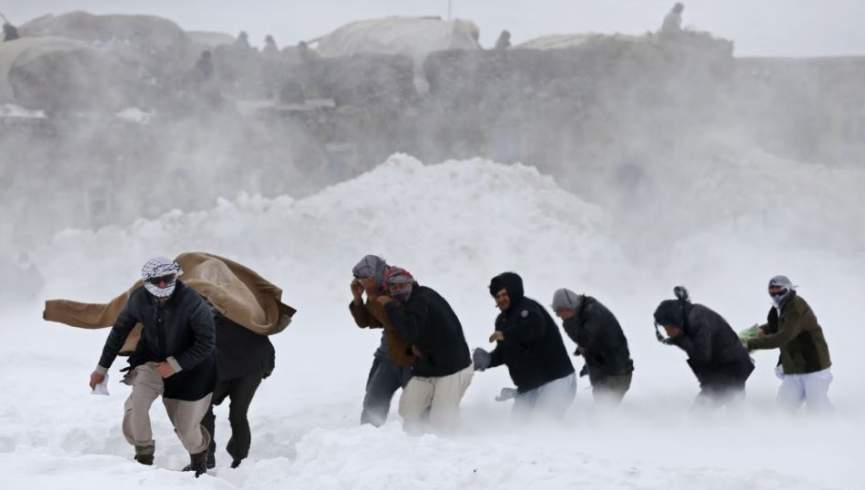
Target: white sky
(758, 27)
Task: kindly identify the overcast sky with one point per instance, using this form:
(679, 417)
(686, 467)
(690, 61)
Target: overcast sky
(758, 27)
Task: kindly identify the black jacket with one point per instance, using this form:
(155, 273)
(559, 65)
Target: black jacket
(241, 352)
(182, 328)
(715, 352)
(427, 322)
(603, 344)
(532, 348)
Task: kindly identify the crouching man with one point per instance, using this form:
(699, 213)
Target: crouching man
(442, 370)
(600, 341)
(175, 358)
(528, 342)
(715, 354)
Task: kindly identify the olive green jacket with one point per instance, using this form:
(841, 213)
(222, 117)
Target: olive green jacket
(796, 332)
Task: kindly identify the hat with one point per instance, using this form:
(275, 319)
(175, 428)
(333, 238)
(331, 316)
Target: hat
(370, 266)
(565, 299)
(398, 283)
(160, 267)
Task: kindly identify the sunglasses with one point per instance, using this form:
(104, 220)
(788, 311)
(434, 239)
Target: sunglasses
(166, 279)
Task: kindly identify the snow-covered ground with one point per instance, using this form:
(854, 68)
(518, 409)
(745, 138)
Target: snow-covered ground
(454, 225)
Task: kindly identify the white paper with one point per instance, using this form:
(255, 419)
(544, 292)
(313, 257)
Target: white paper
(101, 388)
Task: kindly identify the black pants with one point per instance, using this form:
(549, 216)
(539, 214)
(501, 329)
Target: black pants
(384, 379)
(240, 391)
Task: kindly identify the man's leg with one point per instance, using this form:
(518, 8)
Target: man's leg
(610, 390)
(241, 394)
(220, 391)
(146, 387)
(556, 396)
(791, 393)
(415, 402)
(186, 416)
(385, 378)
(816, 387)
(448, 391)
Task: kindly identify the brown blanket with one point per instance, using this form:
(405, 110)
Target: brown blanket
(236, 291)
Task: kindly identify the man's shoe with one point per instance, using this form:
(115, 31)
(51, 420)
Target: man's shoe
(198, 463)
(235, 463)
(144, 455)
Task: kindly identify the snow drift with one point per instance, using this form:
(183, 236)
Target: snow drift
(453, 225)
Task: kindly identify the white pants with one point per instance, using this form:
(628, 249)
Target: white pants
(435, 401)
(551, 399)
(811, 389)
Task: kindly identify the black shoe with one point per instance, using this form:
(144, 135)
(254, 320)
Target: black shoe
(145, 459)
(198, 463)
(235, 463)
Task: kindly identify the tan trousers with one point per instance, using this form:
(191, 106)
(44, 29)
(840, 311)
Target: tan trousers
(434, 401)
(185, 415)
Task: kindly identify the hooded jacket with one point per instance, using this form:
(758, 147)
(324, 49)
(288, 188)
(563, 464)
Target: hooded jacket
(181, 331)
(427, 322)
(715, 353)
(598, 334)
(532, 348)
(796, 332)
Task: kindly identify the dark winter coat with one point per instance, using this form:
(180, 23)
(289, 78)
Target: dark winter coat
(715, 353)
(600, 339)
(240, 351)
(427, 322)
(532, 348)
(182, 328)
(391, 348)
(796, 332)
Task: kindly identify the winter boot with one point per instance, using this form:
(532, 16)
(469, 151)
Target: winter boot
(236, 462)
(144, 455)
(211, 463)
(198, 463)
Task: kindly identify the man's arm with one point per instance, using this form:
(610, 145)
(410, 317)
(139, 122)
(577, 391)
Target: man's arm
(787, 332)
(698, 344)
(496, 357)
(362, 317)
(125, 322)
(201, 323)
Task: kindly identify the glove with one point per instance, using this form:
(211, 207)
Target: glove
(506, 394)
(584, 371)
(481, 359)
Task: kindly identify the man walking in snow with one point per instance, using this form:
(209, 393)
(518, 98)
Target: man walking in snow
(528, 342)
(715, 353)
(244, 358)
(600, 341)
(804, 365)
(390, 366)
(442, 370)
(175, 358)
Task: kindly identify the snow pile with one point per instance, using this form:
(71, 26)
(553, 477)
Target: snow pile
(453, 225)
(412, 36)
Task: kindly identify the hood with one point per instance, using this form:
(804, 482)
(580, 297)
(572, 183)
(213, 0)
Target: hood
(510, 281)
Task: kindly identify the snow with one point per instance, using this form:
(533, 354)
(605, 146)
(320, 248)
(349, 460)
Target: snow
(453, 225)
(135, 115)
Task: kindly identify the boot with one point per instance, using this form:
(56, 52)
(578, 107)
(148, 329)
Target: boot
(211, 463)
(144, 455)
(236, 462)
(198, 463)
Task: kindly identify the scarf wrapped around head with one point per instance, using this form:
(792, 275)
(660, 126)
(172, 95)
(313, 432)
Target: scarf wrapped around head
(371, 266)
(398, 283)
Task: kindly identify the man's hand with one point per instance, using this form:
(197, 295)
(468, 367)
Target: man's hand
(383, 299)
(95, 379)
(357, 291)
(497, 336)
(164, 369)
(760, 332)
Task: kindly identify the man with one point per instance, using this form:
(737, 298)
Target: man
(390, 366)
(504, 41)
(715, 353)
(600, 341)
(175, 358)
(672, 24)
(244, 359)
(528, 342)
(804, 365)
(442, 369)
